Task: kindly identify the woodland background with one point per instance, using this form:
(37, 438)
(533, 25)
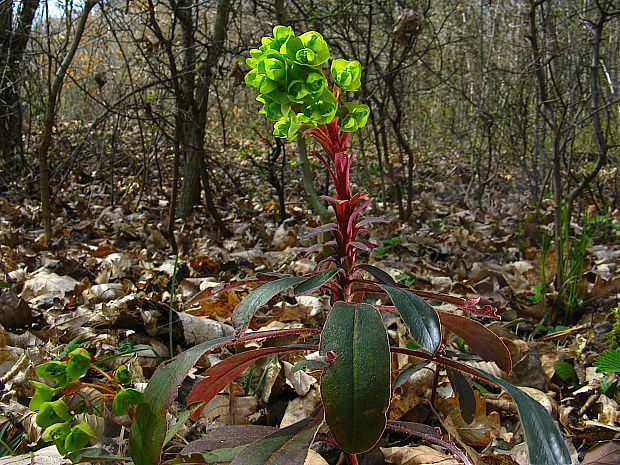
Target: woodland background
(127, 135)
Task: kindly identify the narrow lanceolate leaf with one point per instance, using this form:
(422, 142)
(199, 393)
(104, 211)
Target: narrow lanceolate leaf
(355, 388)
(316, 281)
(148, 430)
(219, 375)
(544, 442)
(418, 315)
(479, 338)
(228, 436)
(321, 229)
(244, 311)
(378, 273)
(286, 446)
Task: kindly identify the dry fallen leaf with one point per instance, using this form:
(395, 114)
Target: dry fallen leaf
(479, 432)
(603, 453)
(418, 455)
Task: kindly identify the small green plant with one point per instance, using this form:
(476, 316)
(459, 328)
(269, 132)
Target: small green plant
(62, 407)
(566, 372)
(436, 226)
(387, 245)
(608, 362)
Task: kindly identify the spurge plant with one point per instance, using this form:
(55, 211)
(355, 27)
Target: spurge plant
(356, 381)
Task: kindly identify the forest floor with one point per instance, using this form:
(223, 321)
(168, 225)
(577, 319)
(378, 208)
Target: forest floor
(107, 275)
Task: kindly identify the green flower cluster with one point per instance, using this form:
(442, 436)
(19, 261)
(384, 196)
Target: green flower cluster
(286, 70)
(56, 417)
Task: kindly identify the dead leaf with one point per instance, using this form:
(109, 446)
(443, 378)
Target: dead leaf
(15, 313)
(418, 455)
(603, 453)
(479, 432)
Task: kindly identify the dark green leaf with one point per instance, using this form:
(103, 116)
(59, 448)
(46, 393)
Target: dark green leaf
(464, 393)
(378, 273)
(355, 388)
(316, 281)
(148, 430)
(418, 315)
(545, 444)
(244, 311)
(286, 446)
(566, 371)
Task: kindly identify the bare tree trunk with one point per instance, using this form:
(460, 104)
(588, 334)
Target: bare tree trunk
(13, 42)
(601, 140)
(50, 116)
(549, 116)
(190, 193)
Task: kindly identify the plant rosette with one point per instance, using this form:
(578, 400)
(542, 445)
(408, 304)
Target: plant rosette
(356, 375)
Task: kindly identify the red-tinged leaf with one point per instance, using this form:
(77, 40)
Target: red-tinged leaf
(228, 436)
(355, 388)
(479, 338)
(211, 291)
(221, 374)
(321, 229)
(603, 453)
(363, 245)
(420, 318)
(357, 212)
(332, 201)
(378, 273)
(370, 220)
(287, 446)
(464, 394)
(486, 311)
(429, 434)
(316, 281)
(466, 304)
(244, 311)
(451, 299)
(544, 442)
(148, 430)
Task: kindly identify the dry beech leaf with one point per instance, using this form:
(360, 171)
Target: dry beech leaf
(14, 312)
(300, 380)
(299, 408)
(43, 282)
(219, 408)
(603, 453)
(219, 307)
(479, 432)
(418, 455)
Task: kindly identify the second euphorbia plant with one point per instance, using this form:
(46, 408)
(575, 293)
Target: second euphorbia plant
(356, 379)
